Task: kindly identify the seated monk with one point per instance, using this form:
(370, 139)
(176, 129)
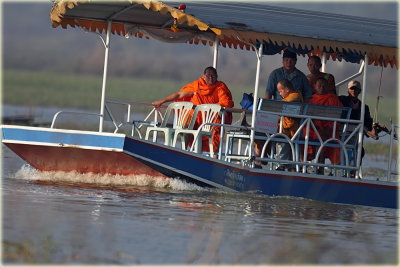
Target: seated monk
(314, 65)
(324, 128)
(289, 125)
(205, 90)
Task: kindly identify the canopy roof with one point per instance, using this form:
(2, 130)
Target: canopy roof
(240, 25)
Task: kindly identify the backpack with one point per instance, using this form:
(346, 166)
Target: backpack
(247, 101)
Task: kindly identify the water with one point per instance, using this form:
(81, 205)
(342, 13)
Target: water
(69, 218)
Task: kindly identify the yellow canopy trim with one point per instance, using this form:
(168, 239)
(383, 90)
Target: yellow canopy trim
(60, 9)
(377, 55)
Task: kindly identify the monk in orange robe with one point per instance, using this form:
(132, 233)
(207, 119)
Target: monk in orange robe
(324, 128)
(205, 90)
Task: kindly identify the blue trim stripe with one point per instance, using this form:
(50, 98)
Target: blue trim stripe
(67, 138)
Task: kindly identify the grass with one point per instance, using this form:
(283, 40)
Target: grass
(378, 149)
(83, 91)
(77, 91)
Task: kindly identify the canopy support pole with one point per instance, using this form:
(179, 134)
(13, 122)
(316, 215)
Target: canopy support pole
(215, 49)
(255, 95)
(361, 131)
(352, 76)
(323, 61)
(103, 88)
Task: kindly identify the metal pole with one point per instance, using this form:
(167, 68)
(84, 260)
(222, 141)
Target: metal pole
(353, 76)
(323, 61)
(103, 88)
(215, 49)
(255, 95)
(361, 131)
(392, 132)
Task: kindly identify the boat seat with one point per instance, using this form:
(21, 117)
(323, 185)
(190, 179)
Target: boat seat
(209, 113)
(178, 112)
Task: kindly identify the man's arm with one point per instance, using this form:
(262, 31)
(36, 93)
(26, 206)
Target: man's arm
(307, 91)
(172, 97)
(271, 85)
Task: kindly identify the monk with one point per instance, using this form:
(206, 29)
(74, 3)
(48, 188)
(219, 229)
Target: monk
(314, 65)
(205, 90)
(289, 125)
(324, 128)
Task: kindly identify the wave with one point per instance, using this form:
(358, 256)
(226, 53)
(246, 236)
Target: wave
(26, 172)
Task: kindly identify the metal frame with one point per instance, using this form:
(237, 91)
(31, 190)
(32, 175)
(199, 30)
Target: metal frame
(259, 54)
(392, 135)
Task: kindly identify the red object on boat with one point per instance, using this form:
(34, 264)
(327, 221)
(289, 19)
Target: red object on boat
(182, 7)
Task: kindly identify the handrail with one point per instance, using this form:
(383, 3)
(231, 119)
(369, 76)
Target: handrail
(343, 141)
(392, 134)
(352, 76)
(71, 112)
(137, 125)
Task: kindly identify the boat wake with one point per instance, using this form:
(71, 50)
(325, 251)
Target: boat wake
(26, 172)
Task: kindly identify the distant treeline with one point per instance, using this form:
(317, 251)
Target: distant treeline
(45, 89)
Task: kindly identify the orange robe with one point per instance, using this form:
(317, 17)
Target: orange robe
(324, 128)
(218, 93)
(290, 125)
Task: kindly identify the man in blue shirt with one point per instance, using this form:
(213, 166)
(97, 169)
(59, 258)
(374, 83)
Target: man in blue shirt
(289, 72)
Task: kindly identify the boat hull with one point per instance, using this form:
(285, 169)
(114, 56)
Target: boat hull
(63, 150)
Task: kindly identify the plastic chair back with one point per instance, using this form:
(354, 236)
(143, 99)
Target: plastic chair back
(180, 112)
(208, 113)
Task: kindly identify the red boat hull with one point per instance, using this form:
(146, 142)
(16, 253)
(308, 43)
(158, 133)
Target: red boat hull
(51, 158)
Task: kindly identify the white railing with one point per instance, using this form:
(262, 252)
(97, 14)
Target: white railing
(393, 140)
(299, 143)
(119, 113)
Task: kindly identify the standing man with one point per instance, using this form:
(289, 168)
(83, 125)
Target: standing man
(314, 65)
(290, 72)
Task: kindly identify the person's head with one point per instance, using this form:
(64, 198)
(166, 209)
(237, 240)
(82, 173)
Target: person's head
(321, 86)
(289, 60)
(285, 87)
(210, 75)
(354, 88)
(314, 64)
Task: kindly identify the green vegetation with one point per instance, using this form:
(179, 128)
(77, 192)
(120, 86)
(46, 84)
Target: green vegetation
(83, 91)
(77, 91)
(378, 149)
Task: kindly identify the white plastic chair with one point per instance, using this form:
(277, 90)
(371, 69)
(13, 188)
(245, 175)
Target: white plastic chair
(180, 112)
(209, 113)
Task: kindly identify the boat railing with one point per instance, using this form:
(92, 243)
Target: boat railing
(344, 135)
(393, 168)
(56, 116)
(120, 113)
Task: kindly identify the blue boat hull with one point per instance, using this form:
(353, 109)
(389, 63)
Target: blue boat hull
(64, 150)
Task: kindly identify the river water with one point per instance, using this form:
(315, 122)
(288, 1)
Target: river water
(70, 218)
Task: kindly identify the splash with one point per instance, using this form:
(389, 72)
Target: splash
(26, 172)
